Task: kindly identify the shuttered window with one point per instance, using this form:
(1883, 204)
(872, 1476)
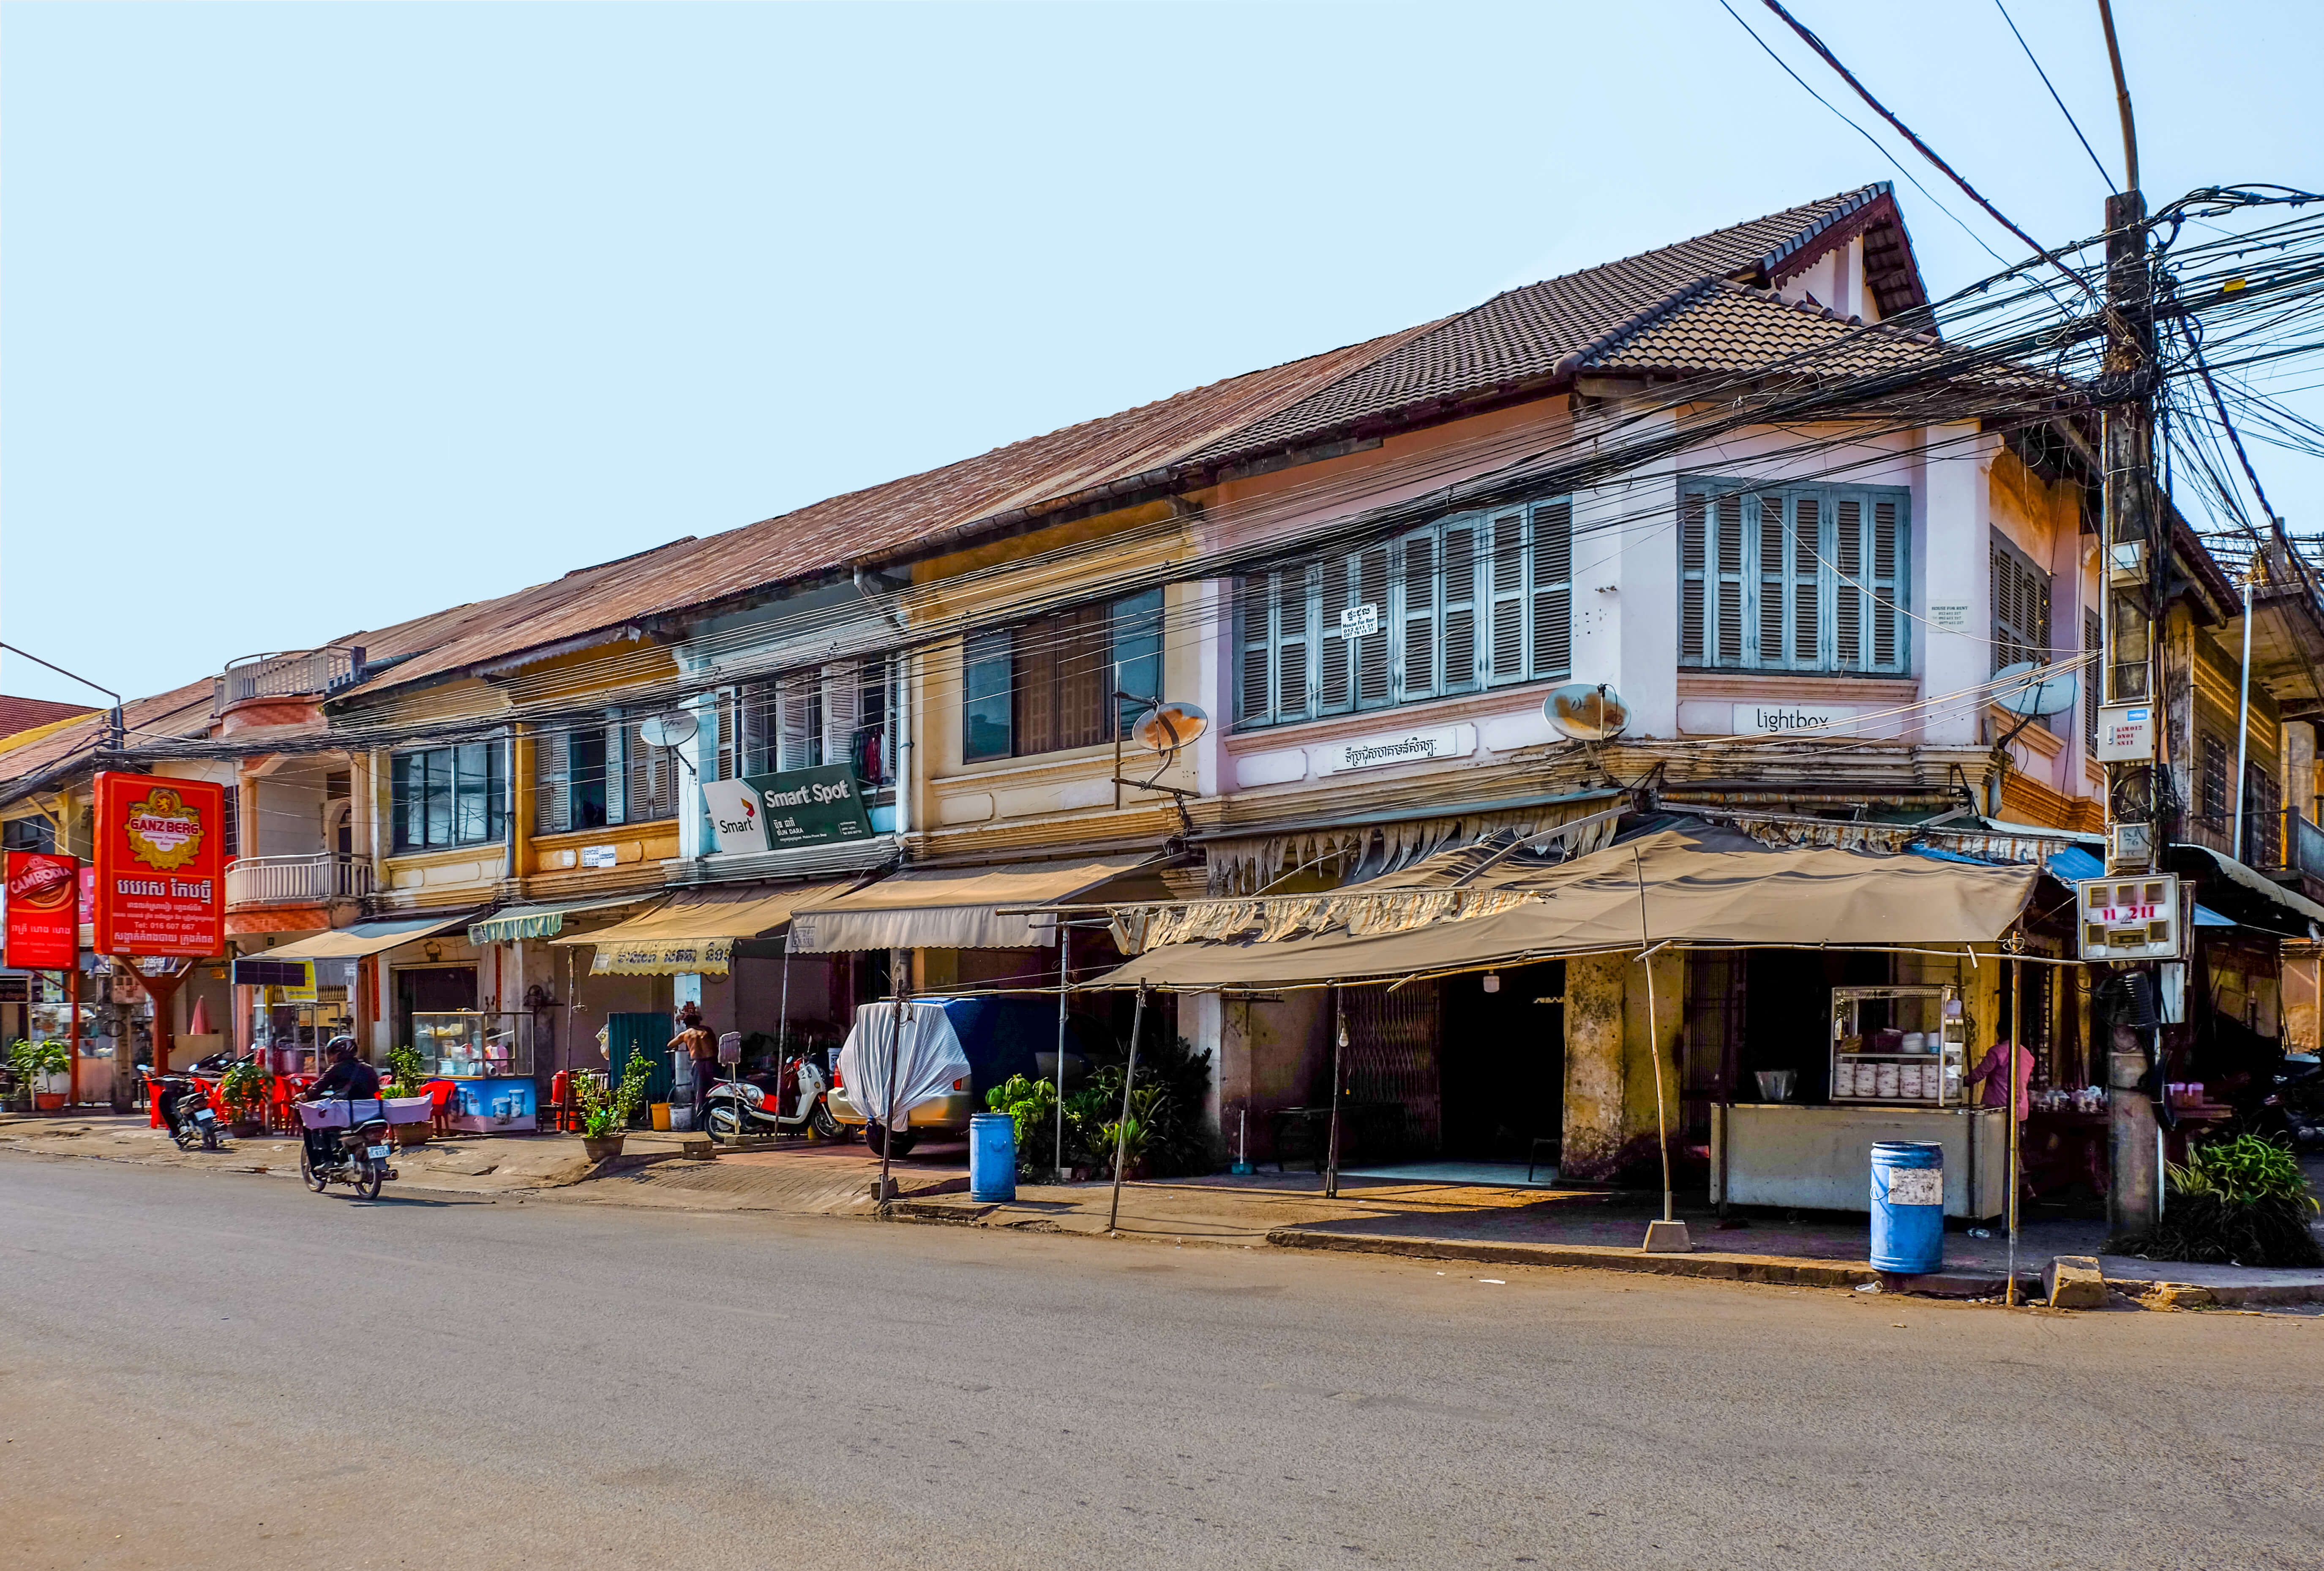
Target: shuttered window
(591, 777)
(1792, 578)
(1469, 603)
(2021, 610)
(2093, 644)
(1042, 687)
(837, 713)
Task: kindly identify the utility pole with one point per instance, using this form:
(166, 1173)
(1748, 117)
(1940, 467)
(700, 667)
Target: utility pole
(2136, 563)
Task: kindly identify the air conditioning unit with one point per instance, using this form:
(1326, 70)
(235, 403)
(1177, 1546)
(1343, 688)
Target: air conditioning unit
(2131, 918)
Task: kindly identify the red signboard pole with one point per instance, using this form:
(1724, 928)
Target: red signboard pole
(73, 1033)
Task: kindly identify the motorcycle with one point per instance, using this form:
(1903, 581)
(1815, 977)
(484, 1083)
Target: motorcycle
(186, 1110)
(345, 1148)
(793, 1102)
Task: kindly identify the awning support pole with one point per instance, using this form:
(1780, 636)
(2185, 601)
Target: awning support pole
(1122, 1130)
(1065, 936)
(1332, 1138)
(895, 1063)
(782, 1020)
(1672, 1237)
(2009, 1074)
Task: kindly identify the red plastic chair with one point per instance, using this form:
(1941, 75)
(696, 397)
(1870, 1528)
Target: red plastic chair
(439, 1094)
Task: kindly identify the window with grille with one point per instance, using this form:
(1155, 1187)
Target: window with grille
(1469, 602)
(1794, 578)
(448, 796)
(1043, 686)
(2263, 818)
(2214, 783)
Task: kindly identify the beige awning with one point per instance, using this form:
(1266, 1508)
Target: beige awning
(1482, 906)
(953, 907)
(696, 933)
(365, 939)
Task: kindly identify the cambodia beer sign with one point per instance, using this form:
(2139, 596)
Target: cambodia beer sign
(43, 911)
(160, 878)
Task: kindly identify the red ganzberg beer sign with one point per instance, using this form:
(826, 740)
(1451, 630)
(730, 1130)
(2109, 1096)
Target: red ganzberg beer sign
(161, 878)
(43, 911)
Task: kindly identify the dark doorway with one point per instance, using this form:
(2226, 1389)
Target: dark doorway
(1503, 1057)
(1787, 1014)
(426, 989)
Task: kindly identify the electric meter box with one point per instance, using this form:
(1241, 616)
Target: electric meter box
(2138, 917)
(2125, 733)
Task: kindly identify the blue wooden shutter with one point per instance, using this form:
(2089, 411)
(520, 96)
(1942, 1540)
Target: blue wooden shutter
(1810, 549)
(1296, 643)
(1694, 522)
(1886, 551)
(1767, 617)
(1373, 669)
(1459, 605)
(1254, 676)
(1416, 617)
(1505, 588)
(1727, 555)
(1552, 608)
(1334, 687)
(1847, 594)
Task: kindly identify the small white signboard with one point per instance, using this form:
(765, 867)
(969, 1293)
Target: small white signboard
(1752, 720)
(1949, 616)
(2126, 732)
(598, 856)
(1360, 621)
(1452, 741)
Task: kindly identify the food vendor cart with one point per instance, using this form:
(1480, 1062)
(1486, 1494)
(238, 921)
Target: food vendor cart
(1899, 1057)
(488, 1058)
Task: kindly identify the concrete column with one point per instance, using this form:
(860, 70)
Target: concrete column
(1201, 1021)
(1950, 549)
(1595, 1070)
(2298, 754)
(2135, 1181)
(1625, 589)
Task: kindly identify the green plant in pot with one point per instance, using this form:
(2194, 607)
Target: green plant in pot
(36, 1063)
(243, 1089)
(606, 1112)
(407, 1076)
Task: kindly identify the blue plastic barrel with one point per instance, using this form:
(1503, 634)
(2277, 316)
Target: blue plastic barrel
(991, 1157)
(1908, 1207)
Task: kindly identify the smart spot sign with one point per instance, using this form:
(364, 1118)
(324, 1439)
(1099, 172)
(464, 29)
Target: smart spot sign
(799, 807)
(160, 865)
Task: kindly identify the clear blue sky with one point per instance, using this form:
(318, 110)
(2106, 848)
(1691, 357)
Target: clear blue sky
(315, 317)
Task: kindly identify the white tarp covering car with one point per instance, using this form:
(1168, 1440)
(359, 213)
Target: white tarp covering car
(925, 1056)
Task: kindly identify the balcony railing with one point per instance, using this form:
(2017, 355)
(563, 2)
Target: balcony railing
(2301, 849)
(304, 674)
(297, 880)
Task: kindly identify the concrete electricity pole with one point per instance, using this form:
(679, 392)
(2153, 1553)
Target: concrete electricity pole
(2138, 567)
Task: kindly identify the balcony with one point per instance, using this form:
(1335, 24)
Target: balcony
(307, 673)
(315, 880)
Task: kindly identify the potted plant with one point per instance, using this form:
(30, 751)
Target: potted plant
(606, 1112)
(244, 1090)
(408, 1076)
(38, 1064)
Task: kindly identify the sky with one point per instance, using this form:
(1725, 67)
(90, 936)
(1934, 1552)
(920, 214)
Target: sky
(316, 317)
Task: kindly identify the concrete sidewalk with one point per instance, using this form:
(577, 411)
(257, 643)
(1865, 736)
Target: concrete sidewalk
(1583, 1228)
(1473, 1224)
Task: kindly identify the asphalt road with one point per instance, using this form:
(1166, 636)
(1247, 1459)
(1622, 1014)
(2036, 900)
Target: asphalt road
(214, 1371)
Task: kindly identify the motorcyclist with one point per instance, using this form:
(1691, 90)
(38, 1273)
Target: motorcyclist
(346, 1075)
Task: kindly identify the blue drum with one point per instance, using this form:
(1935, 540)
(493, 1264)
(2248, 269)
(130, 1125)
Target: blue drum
(991, 1157)
(1908, 1207)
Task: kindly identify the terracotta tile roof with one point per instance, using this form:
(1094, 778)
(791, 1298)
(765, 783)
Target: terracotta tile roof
(1718, 327)
(24, 714)
(1525, 335)
(179, 712)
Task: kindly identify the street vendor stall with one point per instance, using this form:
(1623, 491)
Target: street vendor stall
(488, 1058)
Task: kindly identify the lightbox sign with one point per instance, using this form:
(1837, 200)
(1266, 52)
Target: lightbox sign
(799, 807)
(160, 876)
(43, 911)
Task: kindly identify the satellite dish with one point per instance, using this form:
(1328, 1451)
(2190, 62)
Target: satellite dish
(1168, 727)
(1586, 712)
(672, 730)
(2021, 689)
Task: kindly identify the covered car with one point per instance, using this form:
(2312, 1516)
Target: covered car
(995, 1038)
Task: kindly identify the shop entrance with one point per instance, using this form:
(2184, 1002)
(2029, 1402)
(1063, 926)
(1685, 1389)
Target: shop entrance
(1503, 1057)
(426, 989)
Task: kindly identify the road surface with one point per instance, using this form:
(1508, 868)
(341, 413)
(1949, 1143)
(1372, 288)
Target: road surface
(200, 1370)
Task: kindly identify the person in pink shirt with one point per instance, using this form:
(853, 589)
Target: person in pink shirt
(1990, 1071)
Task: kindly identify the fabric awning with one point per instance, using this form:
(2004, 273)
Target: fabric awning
(540, 921)
(695, 934)
(1488, 904)
(365, 939)
(953, 907)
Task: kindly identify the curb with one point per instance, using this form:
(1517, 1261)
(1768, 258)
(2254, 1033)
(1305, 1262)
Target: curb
(1778, 1271)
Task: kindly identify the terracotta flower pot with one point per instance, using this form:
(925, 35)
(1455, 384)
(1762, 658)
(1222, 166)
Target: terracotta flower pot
(414, 1133)
(599, 1147)
(48, 1101)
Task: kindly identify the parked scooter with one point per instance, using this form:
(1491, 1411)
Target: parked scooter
(356, 1155)
(791, 1103)
(186, 1110)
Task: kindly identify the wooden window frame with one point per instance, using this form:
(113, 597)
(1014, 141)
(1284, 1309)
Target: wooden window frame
(1738, 612)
